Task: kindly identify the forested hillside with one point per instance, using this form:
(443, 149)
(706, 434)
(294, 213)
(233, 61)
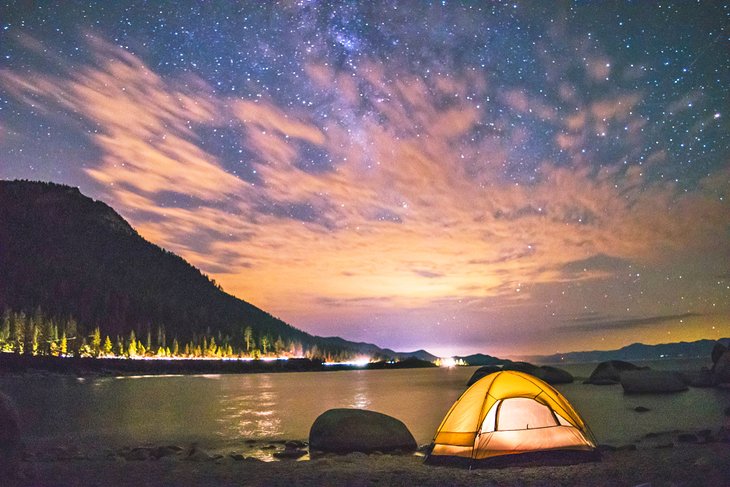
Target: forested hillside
(73, 270)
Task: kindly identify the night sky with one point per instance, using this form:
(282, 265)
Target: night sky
(496, 177)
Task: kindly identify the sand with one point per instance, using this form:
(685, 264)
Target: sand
(658, 461)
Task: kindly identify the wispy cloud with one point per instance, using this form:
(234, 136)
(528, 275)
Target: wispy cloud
(601, 323)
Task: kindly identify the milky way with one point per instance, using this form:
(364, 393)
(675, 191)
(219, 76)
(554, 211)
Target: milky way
(515, 177)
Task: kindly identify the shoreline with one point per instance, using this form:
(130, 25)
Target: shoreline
(663, 459)
(87, 366)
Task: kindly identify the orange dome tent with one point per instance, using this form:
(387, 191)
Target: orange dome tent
(508, 413)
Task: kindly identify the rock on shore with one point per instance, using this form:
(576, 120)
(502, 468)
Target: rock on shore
(358, 430)
(651, 381)
(608, 373)
(551, 375)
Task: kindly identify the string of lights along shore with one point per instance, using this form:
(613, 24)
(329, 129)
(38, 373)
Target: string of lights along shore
(502, 177)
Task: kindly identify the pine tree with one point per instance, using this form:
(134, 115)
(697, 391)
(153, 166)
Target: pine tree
(132, 347)
(5, 342)
(96, 342)
(72, 330)
(247, 335)
(30, 334)
(63, 347)
(278, 346)
(161, 339)
(52, 344)
(175, 347)
(264, 344)
(107, 346)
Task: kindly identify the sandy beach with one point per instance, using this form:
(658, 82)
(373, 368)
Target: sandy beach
(660, 459)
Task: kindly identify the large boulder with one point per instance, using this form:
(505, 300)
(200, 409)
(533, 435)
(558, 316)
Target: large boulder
(551, 375)
(609, 372)
(554, 375)
(525, 367)
(483, 372)
(652, 381)
(701, 378)
(10, 444)
(721, 369)
(359, 430)
(717, 351)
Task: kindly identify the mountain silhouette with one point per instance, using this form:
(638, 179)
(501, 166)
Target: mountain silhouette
(71, 256)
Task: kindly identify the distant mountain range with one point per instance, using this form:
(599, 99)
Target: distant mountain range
(65, 257)
(635, 352)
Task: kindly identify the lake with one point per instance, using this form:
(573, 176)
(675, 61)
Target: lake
(220, 411)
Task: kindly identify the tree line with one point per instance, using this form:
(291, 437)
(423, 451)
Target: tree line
(39, 335)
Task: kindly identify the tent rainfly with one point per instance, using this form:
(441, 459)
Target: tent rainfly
(508, 413)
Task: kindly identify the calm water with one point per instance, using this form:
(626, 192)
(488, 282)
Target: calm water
(222, 410)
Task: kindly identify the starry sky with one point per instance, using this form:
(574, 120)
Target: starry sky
(497, 177)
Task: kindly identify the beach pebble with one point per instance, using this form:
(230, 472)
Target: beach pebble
(290, 454)
(702, 463)
(199, 455)
(165, 451)
(687, 438)
(295, 444)
(138, 454)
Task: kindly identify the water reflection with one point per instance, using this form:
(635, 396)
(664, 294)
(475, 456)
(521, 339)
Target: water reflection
(225, 411)
(249, 409)
(361, 397)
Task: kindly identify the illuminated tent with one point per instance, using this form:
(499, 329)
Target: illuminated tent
(508, 413)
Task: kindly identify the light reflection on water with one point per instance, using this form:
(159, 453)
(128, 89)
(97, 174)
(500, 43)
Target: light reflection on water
(225, 410)
(361, 393)
(248, 409)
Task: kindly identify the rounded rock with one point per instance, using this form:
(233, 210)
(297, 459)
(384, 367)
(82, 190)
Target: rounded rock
(358, 430)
